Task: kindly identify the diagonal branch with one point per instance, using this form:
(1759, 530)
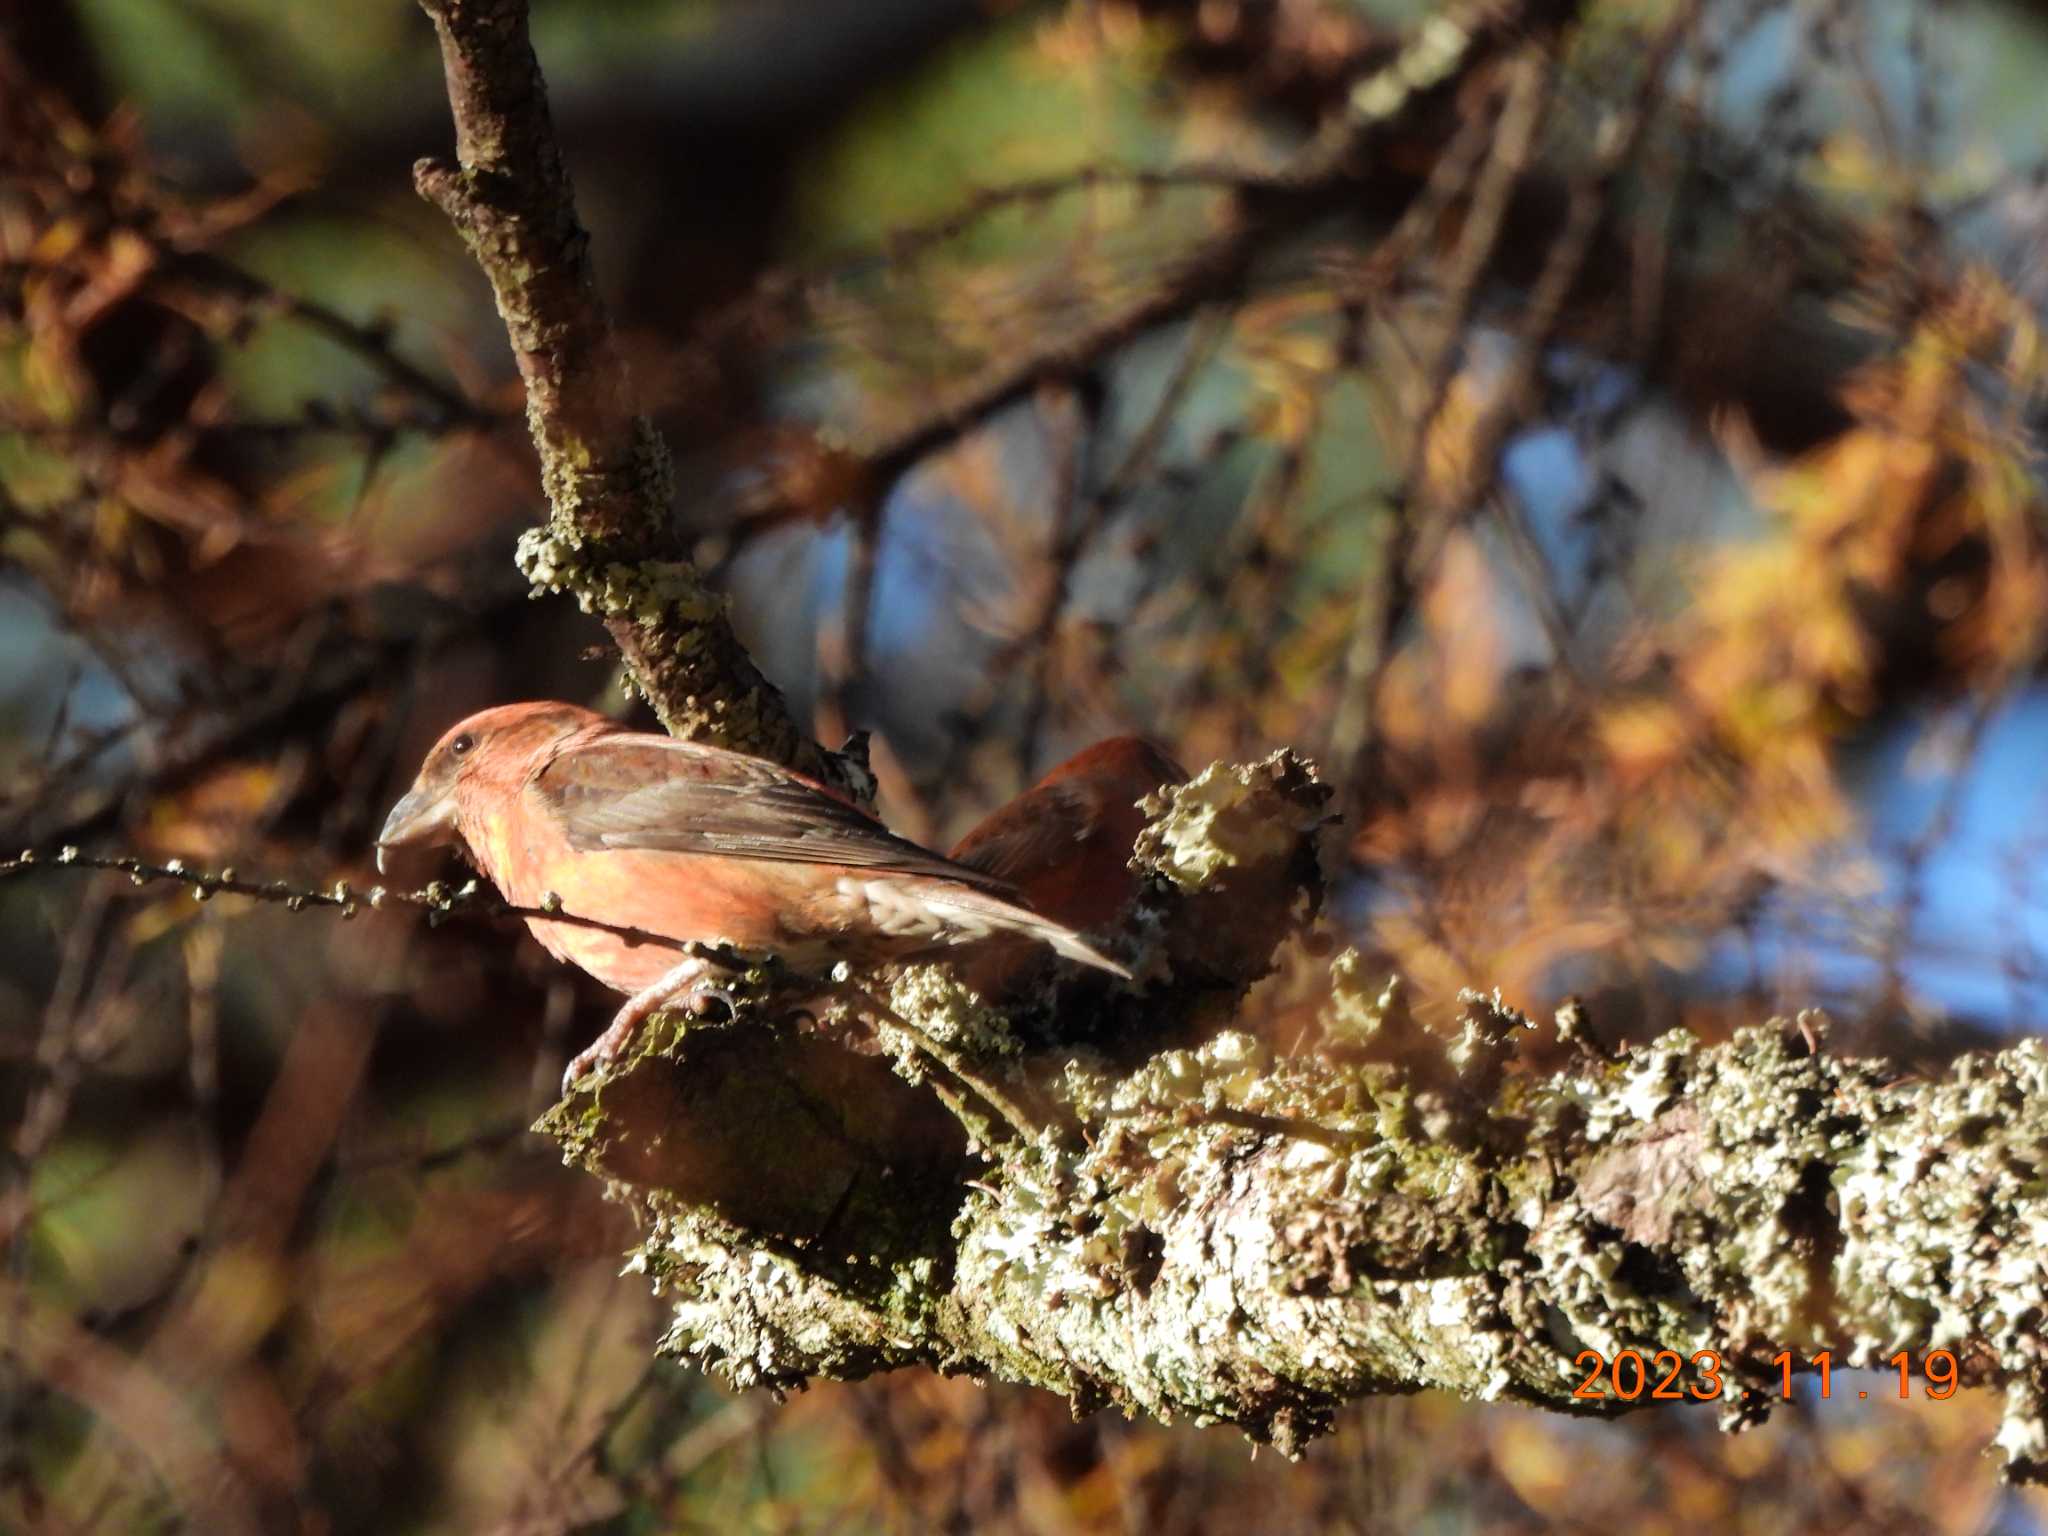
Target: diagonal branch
(603, 465)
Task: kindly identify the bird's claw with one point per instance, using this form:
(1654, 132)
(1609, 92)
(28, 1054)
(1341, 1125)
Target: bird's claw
(701, 997)
(607, 1047)
(580, 1066)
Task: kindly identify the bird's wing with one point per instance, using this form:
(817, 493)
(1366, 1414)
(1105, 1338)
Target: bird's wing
(1032, 833)
(633, 791)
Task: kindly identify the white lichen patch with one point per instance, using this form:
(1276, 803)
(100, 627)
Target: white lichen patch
(1652, 1078)
(1226, 817)
(1945, 1231)
(1360, 1003)
(1585, 1281)
(1488, 1032)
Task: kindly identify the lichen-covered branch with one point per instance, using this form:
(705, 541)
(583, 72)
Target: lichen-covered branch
(1199, 1228)
(603, 465)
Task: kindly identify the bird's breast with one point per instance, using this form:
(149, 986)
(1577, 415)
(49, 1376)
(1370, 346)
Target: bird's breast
(677, 898)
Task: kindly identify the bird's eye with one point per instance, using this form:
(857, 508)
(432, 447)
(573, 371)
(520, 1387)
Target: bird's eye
(461, 744)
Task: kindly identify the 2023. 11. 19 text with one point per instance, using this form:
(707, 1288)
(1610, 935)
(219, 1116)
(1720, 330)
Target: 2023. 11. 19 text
(1668, 1376)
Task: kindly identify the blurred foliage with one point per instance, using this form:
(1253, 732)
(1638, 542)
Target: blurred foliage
(1626, 481)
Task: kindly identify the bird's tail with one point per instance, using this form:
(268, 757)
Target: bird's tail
(953, 913)
(1063, 939)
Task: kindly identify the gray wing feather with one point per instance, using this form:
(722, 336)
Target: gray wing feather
(644, 792)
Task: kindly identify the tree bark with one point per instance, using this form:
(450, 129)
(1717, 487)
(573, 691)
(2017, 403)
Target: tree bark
(1198, 1228)
(603, 465)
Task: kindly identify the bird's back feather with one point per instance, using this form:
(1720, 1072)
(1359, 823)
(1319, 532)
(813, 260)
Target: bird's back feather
(623, 791)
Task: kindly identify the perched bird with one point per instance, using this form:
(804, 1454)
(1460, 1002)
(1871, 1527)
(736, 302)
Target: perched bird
(692, 843)
(1065, 843)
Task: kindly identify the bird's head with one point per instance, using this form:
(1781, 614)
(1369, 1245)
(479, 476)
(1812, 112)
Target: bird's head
(488, 748)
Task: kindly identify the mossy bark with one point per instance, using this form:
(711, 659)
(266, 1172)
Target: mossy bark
(603, 465)
(1200, 1229)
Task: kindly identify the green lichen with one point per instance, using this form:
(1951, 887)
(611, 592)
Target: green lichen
(949, 1012)
(559, 557)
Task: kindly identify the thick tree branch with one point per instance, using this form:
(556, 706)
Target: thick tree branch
(1202, 1229)
(603, 465)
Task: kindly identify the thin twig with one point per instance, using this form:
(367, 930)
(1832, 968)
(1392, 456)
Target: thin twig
(436, 898)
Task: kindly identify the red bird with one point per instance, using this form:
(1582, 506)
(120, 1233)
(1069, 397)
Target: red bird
(694, 844)
(1065, 843)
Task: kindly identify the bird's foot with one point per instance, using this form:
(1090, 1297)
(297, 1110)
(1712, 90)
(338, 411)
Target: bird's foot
(691, 977)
